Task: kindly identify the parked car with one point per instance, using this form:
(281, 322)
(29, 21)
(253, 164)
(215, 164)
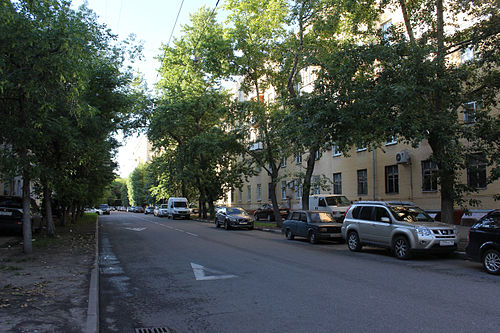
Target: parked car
(400, 226)
(11, 214)
(149, 210)
(266, 212)
(484, 242)
(194, 207)
(138, 209)
(104, 209)
(233, 217)
(162, 210)
(131, 209)
(313, 225)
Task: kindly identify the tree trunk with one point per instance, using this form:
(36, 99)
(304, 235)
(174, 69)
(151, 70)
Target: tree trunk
(51, 230)
(274, 201)
(27, 237)
(73, 214)
(406, 18)
(306, 187)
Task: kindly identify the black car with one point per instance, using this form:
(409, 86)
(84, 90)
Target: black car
(484, 242)
(266, 212)
(231, 217)
(11, 214)
(313, 225)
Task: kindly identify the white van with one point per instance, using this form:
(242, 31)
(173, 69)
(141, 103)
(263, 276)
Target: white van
(178, 207)
(335, 204)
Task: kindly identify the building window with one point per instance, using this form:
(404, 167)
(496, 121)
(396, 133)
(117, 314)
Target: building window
(429, 176)
(298, 190)
(337, 183)
(283, 190)
(335, 151)
(317, 156)
(476, 172)
(470, 111)
(391, 141)
(283, 162)
(362, 148)
(240, 195)
(391, 179)
(315, 185)
(249, 193)
(385, 27)
(298, 158)
(259, 192)
(362, 182)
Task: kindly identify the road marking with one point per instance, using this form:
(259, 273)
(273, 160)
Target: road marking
(136, 229)
(166, 226)
(200, 273)
(189, 233)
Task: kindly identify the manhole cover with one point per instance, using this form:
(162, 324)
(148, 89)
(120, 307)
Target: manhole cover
(154, 330)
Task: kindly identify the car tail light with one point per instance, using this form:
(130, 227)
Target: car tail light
(345, 213)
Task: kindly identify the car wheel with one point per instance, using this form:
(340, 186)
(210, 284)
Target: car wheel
(353, 242)
(226, 225)
(491, 261)
(268, 218)
(289, 234)
(313, 239)
(216, 223)
(401, 248)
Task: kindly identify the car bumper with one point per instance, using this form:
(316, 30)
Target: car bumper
(241, 225)
(330, 235)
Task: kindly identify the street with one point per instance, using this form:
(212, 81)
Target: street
(189, 276)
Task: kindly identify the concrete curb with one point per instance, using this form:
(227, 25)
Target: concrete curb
(93, 308)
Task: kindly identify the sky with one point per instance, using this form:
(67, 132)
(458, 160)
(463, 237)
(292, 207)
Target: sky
(152, 21)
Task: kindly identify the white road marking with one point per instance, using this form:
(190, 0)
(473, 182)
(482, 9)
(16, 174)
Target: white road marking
(200, 273)
(166, 226)
(136, 229)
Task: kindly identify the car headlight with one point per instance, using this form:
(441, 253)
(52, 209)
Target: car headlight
(423, 231)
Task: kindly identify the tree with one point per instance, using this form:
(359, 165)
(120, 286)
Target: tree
(257, 28)
(430, 88)
(196, 149)
(62, 96)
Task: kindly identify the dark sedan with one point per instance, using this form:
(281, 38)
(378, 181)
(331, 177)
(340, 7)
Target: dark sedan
(11, 214)
(313, 225)
(230, 217)
(138, 209)
(266, 212)
(484, 242)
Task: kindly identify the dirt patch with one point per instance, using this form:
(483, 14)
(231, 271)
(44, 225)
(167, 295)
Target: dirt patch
(47, 291)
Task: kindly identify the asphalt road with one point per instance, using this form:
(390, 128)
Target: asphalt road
(189, 276)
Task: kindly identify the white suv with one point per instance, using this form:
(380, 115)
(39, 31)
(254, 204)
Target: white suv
(400, 226)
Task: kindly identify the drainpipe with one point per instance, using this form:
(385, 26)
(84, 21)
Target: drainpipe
(373, 172)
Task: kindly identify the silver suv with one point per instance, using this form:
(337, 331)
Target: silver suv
(400, 226)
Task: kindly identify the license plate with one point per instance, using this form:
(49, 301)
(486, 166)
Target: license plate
(6, 213)
(446, 243)
(243, 222)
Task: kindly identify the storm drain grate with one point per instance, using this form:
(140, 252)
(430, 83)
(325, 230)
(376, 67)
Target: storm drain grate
(154, 330)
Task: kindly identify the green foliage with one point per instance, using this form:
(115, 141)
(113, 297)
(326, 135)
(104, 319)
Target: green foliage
(138, 187)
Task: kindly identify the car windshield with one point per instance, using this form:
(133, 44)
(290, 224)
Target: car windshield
(337, 201)
(10, 203)
(103, 206)
(236, 211)
(164, 206)
(410, 214)
(321, 217)
(181, 204)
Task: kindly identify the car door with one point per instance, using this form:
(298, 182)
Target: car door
(381, 230)
(365, 224)
(489, 230)
(302, 226)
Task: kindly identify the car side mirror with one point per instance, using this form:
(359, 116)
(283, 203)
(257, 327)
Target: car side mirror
(385, 219)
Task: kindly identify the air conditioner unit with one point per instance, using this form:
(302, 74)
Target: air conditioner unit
(256, 146)
(403, 157)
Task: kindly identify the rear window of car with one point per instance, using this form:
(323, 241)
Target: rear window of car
(321, 217)
(11, 202)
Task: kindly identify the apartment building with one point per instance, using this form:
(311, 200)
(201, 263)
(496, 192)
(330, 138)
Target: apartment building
(394, 171)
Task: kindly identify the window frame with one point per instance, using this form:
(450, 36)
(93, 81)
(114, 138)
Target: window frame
(391, 179)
